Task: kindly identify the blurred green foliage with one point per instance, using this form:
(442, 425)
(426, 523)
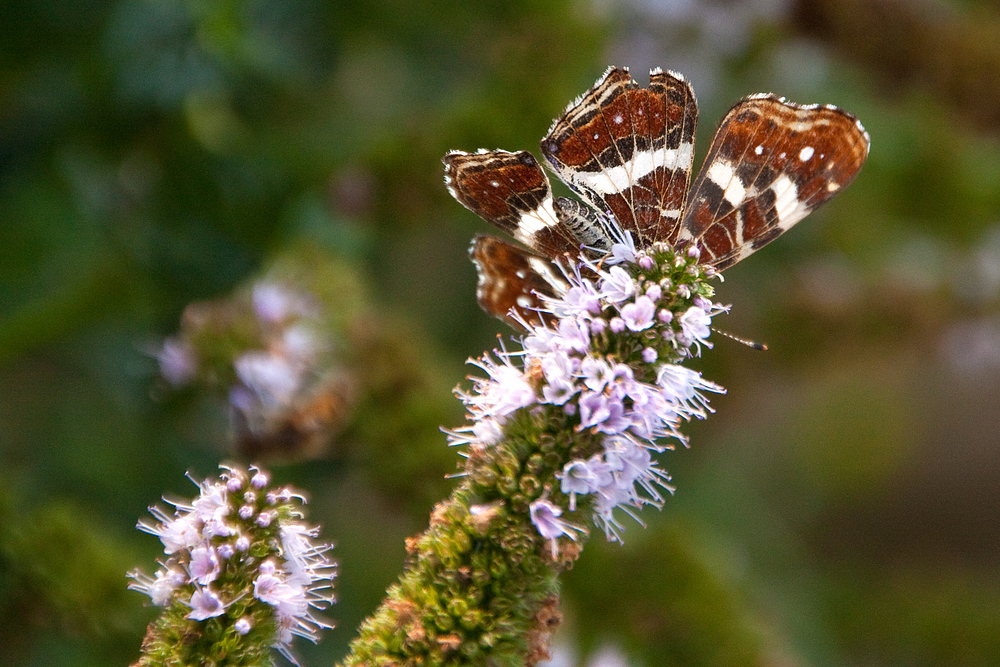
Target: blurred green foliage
(839, 509)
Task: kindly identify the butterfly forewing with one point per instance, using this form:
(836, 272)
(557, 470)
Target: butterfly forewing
(513, 280)
(511, 191)
(770, 164)
(628, 150)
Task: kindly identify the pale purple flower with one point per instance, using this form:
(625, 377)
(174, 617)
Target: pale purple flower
(624, 250)
(649, 355)
(178, 362)
(579, 299)
(272, 378)
(160, 588)
(559, 377)
(205, 565)
(593, 408)
(617, 325)
(682, 386)
(259, 480)
(487, 431)
(703, 303)
(511, 390)
(575, 334)
(695, 325)
(211, 504)
(545, 516)
(205, 604)
(583, 477)
(274, 303)
(596, 373)
(234, 483)
(540, 342)
(618, 285)
(243, 625)
(180, 532)
(305, 560)
(268, 588)
(638, 316)
(604, 411)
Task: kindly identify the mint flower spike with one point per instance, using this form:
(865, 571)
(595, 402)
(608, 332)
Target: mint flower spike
(607, 354)
(563, 426)
(242, 574)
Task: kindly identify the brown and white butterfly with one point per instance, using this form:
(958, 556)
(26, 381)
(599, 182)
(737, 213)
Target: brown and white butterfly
(627, 151)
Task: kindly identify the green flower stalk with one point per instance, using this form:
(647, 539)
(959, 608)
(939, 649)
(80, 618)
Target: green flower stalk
(242, 575)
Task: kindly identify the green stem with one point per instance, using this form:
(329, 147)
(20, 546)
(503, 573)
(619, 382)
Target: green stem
(481, 587)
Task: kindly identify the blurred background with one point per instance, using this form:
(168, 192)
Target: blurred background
(840, 508)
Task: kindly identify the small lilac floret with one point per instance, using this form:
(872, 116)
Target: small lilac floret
(205, 565)
(178, 362)
(575, 334)
(205, 604)
(545, 517)
(618, 285)
(696, 324)
(638, 316)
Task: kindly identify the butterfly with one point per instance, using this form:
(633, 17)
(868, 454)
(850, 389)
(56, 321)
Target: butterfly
(627, 152)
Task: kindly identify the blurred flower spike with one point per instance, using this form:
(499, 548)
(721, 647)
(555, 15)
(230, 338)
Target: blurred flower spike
(604, 360)
(241, 571)
(272, 354)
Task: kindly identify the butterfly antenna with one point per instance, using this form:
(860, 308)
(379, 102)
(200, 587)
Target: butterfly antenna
(749, 343)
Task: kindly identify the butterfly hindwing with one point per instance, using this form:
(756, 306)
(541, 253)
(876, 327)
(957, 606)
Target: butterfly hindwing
(770, 164)
(512, 280)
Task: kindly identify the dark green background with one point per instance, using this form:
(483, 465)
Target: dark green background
(840, 508)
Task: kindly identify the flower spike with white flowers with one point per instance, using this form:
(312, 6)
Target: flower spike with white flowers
(241, 572)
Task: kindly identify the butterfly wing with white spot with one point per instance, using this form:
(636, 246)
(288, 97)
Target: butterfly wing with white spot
(770, 164)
